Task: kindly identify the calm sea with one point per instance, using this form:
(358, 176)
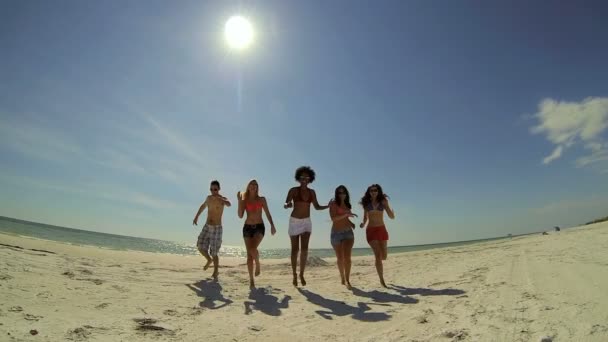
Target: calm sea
(119, 242)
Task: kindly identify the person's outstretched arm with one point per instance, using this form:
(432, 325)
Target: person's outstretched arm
(241, 207)
(362, 225)
(265, 205)
(315, 203)
(389, 210)
(289, 199)
(333, 213)
(200, 210)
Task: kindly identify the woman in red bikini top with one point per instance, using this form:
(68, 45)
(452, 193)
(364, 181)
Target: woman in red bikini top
(254, 229)
(375, 203)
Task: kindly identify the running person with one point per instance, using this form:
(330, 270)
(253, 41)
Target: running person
(300, 227)
(210, 239)
(375, 203)
(254, 229)
(342, 236)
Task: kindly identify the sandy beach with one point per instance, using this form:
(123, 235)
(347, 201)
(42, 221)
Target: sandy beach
(522, 289)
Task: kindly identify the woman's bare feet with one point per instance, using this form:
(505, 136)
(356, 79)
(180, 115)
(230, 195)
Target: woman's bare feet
(383, 283)
(214, 275)
(302, 280)
(208, 264)
(343, 281)
(295, 280)
(251, 284)
(348, 285)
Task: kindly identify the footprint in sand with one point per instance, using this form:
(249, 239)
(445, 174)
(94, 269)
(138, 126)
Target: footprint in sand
(102, 306)
(599, 329)
(15, 309)
(424, 318)
(30, 317)
(195, 311)
(68, 274)
(120, 288)
(170, 312)
(44, 294)
(149, 324)
(82, 333)
(94, 281)
(85, 271)
(456, 335)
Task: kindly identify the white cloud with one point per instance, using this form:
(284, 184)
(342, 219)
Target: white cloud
(37, 141)
(594, 147)
(116, 160)
(594, 157)
(562, 206)
(94, 190)
(175, 141)
(566, 124)
(556, 154)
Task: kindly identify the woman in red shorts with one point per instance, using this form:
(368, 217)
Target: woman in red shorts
(375, 203)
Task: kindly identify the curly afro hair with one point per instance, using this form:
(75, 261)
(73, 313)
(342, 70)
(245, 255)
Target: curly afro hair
(305, 170)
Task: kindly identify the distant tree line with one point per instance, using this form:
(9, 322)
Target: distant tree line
(598, 220)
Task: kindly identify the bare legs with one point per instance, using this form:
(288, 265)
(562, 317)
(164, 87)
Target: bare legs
(295, 248)
(216, 265)
(380, 253)
(207, 257)
(215, 260)
(347, 249)
(299, 243)
(343, 254)
(339, 249)
(251, 244)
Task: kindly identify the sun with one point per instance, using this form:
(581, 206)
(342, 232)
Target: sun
(238, 32)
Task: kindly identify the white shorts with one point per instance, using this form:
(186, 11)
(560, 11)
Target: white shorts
(299, 226)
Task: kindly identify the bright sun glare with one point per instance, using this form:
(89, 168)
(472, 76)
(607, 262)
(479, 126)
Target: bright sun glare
(238, 32)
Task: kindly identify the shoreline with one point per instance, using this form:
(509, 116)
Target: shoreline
(8, 236)
(180, 248)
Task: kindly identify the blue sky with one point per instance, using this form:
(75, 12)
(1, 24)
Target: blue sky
(478, 119)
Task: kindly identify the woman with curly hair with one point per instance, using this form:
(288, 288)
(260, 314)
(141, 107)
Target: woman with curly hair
(300, 227)
(375, 203)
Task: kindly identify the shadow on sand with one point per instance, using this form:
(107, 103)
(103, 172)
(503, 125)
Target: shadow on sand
(211, 291)
(425, 292)
(337, 308)
(384, 297)
(263, 300)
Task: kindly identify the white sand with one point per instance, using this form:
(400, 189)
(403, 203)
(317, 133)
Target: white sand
(513, 290)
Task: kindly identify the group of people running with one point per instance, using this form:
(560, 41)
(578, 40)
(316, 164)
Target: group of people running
(300, 198)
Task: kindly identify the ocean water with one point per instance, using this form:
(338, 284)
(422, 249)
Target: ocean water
(120, 242)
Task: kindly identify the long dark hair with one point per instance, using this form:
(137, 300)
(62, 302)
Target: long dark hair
(366, 200)
(337, 199)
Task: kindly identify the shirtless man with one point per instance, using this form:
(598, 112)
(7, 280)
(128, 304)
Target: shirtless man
(210, 238)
